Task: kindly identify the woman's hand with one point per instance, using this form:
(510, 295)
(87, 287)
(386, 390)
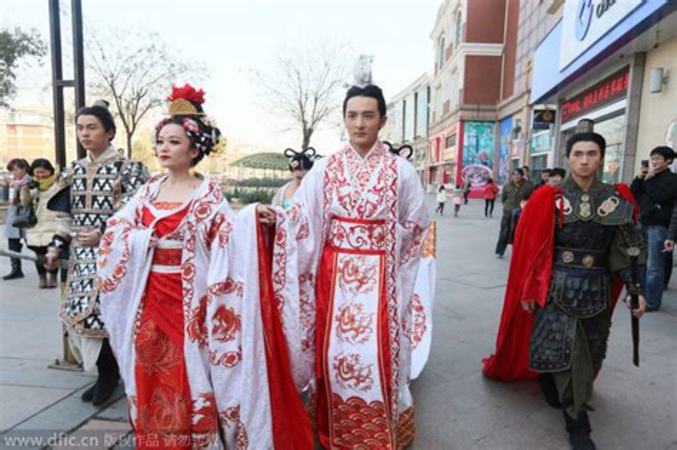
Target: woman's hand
(266, 214)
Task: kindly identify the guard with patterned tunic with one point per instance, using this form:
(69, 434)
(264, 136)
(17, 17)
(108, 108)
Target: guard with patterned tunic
(92, 190)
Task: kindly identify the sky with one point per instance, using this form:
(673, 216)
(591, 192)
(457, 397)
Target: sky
(232, 38)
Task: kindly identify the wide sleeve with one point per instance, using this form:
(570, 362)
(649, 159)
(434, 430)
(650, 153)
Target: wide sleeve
(225, 325)
(305, 221)
(123, 265)
(415, 281)
(249, 341)
(412, 223)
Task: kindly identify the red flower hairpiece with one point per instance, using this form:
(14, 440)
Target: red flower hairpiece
(187, 92)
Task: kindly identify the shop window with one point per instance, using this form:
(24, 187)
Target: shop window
(440, 51)
(450, 141)
(459, 28)
(538, 163)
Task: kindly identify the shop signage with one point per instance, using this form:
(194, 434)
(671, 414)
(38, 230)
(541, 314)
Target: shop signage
(543, 119)
(606, 91)
(584, 22)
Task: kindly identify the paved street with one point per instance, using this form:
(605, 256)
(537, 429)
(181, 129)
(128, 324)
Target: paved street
(457, 408)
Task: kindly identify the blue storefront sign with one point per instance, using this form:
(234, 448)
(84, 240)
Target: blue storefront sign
(590, 30)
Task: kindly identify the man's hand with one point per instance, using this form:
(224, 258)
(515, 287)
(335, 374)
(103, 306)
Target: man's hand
(88, 237)
(52, 258)
(266, 214)
(529, 306)
(668, 245)
(641, 309)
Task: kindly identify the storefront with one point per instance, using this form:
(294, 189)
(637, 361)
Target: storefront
(443, 156)
(592, 65)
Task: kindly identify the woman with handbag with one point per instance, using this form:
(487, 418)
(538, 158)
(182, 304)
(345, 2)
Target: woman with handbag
(35, 195)
(19, 169)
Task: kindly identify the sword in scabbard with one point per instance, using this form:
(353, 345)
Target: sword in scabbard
(633, 253)
(11, 254)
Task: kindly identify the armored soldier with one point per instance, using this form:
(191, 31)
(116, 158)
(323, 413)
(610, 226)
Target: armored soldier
(563, 285)
(93, 189)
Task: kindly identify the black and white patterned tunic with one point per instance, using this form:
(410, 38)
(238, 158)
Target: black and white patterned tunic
(97, 190)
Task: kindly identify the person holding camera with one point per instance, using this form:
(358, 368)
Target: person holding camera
(655, 190)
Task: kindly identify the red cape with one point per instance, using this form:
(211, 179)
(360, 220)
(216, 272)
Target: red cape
(529, 279)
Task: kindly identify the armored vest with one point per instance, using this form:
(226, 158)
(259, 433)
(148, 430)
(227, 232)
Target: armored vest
(580, 287)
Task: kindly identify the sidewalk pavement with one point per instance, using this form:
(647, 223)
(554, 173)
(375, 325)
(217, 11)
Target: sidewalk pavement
(456, 407)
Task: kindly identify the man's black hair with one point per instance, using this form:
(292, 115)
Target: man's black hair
(372, 91)
(101, 112)
(558, 171)
(666, 152)
(587, 136)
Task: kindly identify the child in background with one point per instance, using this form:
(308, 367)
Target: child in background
(441, 200)
(457, 199)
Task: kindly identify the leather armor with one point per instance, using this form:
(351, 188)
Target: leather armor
(581, 281)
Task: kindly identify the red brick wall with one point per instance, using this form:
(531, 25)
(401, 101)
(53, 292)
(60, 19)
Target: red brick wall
(510, 49)
(485, 21)
(482, 80)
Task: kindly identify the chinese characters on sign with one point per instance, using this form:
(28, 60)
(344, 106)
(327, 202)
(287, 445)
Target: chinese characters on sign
(606, 91)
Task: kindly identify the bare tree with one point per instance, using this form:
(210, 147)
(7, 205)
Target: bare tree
(135, 71)
(305, 84)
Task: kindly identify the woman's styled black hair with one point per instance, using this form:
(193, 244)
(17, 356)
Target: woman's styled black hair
(99, 110)
(42, 163)
(587, 136)
(666, 152)
(372, 91)
(202, 136)
(302, 160)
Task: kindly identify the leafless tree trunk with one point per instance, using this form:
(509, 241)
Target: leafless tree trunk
(134, 72)
(306, 86)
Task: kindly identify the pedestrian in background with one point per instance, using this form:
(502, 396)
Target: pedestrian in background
(514, 190)
(38, 192)
(656, 192)
(19, 169)
(457, 198)
(466, 191)
(556, 176)
(516, 218)
(490, 193)
(441, 200)
(545, 176)
(526, 174)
